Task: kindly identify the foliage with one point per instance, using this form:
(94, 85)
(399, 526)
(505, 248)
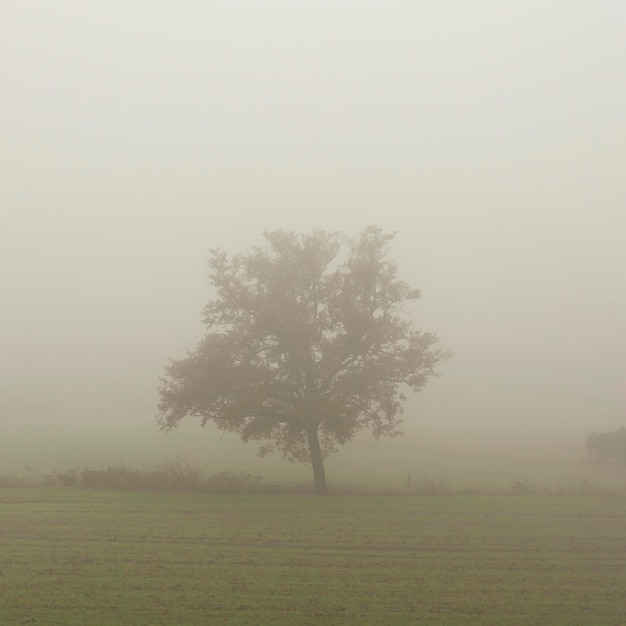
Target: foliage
(227, 482)
(307, 343)
(169, 477)
(604, 446)
(166, 477)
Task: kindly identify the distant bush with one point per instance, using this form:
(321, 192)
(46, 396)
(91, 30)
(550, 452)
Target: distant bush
(65, 478)
(174, 476)
(584, 487)
(522, 488)
(225, 482)
(170, 476)
(118, 477)
(12, 482)
(427, 485)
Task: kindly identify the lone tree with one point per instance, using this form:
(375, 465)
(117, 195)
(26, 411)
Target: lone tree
(306, 345)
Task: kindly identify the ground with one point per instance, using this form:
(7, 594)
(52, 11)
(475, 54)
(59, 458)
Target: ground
(72, 556)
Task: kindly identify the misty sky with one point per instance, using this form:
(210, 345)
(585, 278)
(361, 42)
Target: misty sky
(491, 136)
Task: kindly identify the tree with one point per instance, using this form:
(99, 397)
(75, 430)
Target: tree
(307, 344)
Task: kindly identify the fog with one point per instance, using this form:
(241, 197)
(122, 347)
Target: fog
(137, 136)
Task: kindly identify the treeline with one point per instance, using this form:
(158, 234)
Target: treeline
(170, 477)
(179, 477)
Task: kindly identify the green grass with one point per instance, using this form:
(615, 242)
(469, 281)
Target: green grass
(92, 558)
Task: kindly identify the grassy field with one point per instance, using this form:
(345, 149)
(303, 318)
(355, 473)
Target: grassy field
(70, 556)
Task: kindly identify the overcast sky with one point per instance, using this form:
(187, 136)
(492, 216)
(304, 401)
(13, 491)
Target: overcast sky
(491, 136)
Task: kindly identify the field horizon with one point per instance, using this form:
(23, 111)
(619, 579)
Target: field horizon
(439, 460)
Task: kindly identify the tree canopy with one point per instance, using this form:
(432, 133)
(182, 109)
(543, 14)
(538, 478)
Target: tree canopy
(307, 343)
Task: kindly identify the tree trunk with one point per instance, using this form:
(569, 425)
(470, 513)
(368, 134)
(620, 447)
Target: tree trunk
(317, 461)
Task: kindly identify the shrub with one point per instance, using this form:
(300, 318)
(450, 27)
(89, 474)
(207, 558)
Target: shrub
(225, 482)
